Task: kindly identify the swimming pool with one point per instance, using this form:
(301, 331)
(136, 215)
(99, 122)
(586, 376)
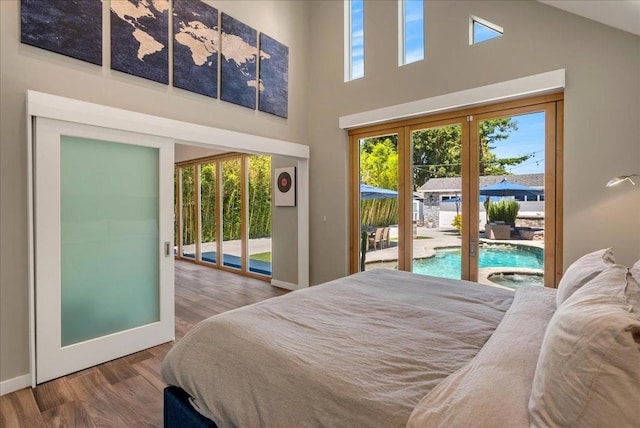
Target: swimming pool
(515, 280)
(447, 261)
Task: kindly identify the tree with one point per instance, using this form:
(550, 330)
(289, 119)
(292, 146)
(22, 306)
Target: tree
(437, 151)
(492, 131)
(379, 163)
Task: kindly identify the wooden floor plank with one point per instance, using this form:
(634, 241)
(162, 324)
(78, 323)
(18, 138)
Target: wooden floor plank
(117, 370)
(52, 394)
(127, 392)
(19, 409)
(103, 404)
(70, 414)
(150, 370)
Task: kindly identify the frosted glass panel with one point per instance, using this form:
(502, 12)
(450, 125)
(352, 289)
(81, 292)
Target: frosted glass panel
(110, 241)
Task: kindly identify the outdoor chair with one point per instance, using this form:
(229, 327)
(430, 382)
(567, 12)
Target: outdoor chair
(386, 239)
(376, 239)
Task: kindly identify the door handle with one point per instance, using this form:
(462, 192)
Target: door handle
(167, 248)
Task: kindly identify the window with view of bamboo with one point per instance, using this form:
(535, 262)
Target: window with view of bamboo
(228, 219)
(188, 212)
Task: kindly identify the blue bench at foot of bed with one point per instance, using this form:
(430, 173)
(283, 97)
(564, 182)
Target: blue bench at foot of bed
(179, 413)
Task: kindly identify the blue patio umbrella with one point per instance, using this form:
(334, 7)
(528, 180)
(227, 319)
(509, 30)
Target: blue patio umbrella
(373, 192)
(507, 188)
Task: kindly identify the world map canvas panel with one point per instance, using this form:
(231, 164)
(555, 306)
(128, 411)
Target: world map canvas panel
(274, 77)
(139, 38)
(239, 54)
(71, 27)
(195, 47)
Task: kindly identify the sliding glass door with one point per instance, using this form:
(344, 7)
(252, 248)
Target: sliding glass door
(478, 193)
(515, 213)
(378, 201)
(259, 214)
(224, 207)
(232, 183)
(437, 161)
(188, 211)
(208, 213)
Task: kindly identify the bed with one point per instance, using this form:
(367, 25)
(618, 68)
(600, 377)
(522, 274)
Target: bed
(379, 348)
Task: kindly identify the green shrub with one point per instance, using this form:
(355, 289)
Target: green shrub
(504, 210)
(457, 222)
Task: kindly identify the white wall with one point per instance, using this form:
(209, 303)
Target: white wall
(25, 67)
(602, 107)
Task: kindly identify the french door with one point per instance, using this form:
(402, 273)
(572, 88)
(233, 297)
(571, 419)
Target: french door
(445, 168)
(103, 238)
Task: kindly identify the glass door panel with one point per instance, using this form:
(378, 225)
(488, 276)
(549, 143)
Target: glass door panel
(511, 166)
(378, 202)
(232, 213)
(208, 223)
(109, 237)
(259, 207)
(188, 216)
(436, 154)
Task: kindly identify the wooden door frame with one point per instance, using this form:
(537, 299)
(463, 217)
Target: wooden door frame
(551, 104)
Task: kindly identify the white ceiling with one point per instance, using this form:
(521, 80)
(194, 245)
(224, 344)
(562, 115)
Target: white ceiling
(622, 14)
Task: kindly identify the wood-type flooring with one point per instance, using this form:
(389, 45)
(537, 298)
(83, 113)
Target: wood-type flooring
(127, 392)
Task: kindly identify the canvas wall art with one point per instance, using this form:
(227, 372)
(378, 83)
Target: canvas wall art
(284, 188)
(238, 63)
(139, 38)
(70, 27)
(195, 47)
(274, 77)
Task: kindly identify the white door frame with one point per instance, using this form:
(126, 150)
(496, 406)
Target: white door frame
(55, 107)
(52, 359)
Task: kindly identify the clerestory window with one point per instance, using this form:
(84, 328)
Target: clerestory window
(411, 31)
(481, 30)
(354, 39)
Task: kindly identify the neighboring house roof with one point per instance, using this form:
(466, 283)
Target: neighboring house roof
(453, 184)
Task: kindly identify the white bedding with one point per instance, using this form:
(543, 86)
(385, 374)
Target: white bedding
(359, 351)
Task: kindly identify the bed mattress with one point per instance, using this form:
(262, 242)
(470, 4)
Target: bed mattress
(359, 351)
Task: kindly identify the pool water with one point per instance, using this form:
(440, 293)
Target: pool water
(447, 262)
(515, 280)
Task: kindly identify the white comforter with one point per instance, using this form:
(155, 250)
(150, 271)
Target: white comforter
(360, 351)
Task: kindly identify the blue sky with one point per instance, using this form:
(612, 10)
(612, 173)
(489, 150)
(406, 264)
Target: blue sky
(414, 34)
(528, 139)
(482, 33)
(414, 30)
(357, 39)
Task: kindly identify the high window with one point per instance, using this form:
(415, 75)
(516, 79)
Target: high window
(354, 39)
(481, 30)
(411, 28)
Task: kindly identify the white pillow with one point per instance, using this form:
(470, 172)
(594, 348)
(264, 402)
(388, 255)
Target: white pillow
(633, 291)
(582, 271)
(588, 369)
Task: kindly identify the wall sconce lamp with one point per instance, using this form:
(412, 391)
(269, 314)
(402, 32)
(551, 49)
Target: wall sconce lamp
(619, 179)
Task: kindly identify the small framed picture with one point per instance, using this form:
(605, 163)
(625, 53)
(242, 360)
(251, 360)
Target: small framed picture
(284, 188)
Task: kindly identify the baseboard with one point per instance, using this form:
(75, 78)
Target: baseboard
(15, 384)
(285, 285)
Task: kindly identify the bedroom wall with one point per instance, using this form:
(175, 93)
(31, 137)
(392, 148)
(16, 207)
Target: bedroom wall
(602, 108)
(25, 67)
